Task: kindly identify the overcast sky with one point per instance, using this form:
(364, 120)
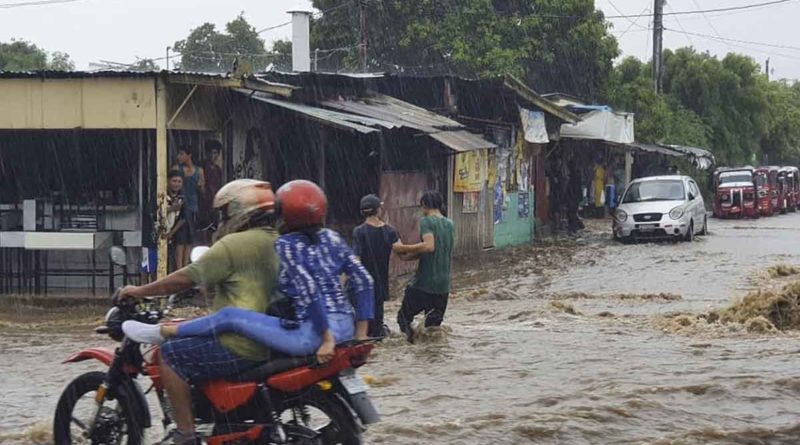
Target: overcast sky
(122, 30)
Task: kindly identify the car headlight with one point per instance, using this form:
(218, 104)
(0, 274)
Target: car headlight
(676, 213)
(621, 216)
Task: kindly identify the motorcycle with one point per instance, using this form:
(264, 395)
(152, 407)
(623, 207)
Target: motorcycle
(287, 400)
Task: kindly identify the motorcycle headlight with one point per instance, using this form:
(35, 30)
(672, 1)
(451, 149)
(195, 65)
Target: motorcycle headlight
(621, 216)
(676, 213)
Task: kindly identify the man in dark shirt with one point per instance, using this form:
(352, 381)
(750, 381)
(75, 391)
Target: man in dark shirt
(373, 242)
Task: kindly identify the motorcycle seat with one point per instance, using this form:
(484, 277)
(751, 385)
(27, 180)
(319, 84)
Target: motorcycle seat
(274, 366)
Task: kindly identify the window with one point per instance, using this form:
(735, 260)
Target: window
(657, 190)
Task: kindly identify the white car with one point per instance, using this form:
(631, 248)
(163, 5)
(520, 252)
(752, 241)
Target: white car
(667, 207)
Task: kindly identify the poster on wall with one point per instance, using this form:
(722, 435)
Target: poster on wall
(470, 204)
(498, 201)
(247, 159)
(470, 171)
(523, 205)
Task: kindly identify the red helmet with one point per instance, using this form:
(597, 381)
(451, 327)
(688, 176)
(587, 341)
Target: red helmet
(301, 204)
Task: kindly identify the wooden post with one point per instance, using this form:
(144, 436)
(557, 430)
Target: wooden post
(628, 168)
(161, 165)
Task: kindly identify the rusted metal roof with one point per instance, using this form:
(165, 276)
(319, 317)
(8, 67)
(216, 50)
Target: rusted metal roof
(448, 132)
(395, 110)
(336, 119)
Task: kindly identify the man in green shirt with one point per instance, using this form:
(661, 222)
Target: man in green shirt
(428, 291)
(241, 268)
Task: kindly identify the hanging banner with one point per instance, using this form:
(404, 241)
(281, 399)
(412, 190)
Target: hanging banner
(470, 171)
(533, 126)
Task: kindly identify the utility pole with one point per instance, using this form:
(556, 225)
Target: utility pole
(658, 34)
(362, 46)
(767, 69)
(168, 48)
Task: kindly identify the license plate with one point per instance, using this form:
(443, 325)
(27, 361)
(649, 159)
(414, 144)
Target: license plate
(353, 383)
(647, 227)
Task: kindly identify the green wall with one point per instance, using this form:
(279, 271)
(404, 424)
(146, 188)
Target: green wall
(513, 230)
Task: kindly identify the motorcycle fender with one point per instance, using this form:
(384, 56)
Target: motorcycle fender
(104, 355)
(132, 392)
(362, 406)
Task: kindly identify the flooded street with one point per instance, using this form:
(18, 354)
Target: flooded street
(575, 345)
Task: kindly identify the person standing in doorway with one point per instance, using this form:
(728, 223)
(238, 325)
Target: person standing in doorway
(429, 290)
(212, 172)
(373, 242)
(193, 186)
(172, 218)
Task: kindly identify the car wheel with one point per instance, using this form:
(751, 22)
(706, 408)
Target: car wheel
(689, 237)
(704, 232)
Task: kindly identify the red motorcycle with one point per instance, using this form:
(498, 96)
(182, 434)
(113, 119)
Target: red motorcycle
(287, 400)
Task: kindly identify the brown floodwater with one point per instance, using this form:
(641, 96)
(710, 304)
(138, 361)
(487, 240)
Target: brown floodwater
(587, 342)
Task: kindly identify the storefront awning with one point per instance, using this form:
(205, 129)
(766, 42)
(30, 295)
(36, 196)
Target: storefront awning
(602, 124)
(701, 158)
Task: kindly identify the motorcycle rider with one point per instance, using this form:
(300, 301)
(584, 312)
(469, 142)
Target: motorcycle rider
(312, 260)
(242, 267)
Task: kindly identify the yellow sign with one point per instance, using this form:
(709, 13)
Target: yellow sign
(470, 171)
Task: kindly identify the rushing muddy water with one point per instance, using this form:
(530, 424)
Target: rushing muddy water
(592, 343)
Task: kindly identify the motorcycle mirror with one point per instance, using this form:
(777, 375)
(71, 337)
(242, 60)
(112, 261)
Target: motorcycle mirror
(198, 252)
(117, 255)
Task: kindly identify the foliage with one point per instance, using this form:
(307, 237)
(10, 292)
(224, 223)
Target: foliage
(726, 105)
(555, 45)
(20, 55)
(144, 65)
(208, 50)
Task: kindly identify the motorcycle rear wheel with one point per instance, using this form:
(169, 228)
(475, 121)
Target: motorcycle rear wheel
(341, 428)
(65, 418)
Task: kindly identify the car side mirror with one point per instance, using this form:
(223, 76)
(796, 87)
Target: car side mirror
(198, 252)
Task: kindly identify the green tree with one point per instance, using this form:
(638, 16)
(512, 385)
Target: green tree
(556, 45)
(21, 55)
(208, 50)
(143, 65)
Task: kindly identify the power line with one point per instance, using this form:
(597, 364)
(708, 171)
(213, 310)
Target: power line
(636, 22)
(710, 25)
(315, 15)
(746, 42)
(691, 43)
(702, 11)
(34, 3)
(749, 48)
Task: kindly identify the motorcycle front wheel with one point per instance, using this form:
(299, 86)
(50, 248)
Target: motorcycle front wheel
(116, 424)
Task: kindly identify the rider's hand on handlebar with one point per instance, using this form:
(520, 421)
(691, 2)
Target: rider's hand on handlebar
(124, 293)
(326, 350)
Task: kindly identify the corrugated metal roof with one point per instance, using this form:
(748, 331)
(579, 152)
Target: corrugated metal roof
(703, 159)
(50, 74)
(394, 110)
(448, 132)
(462, 140)
(334, 118)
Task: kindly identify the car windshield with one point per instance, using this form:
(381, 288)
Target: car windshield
(728, 178)
(659, 190)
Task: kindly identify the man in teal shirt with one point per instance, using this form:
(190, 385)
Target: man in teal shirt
(428, 291)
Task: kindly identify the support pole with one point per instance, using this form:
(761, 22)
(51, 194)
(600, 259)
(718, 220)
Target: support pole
(628, 167)
(658, 33)
(363, 41)
(161, 165)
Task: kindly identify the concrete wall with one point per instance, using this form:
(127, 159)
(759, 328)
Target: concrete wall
(513, 230)
(77, 103)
